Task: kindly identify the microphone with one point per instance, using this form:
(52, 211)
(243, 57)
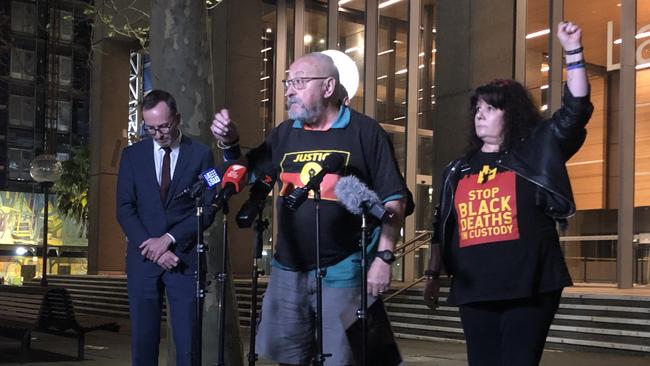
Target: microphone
(358, 198)
(233, 179)
(260, 189)
(208, 178)
(331, 164)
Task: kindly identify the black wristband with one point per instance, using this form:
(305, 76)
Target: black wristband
(574, 51)
(575, 63)
(431, 274)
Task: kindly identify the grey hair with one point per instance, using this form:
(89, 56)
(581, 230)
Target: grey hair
(326, 62)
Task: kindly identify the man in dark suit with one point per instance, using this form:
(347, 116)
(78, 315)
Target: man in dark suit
(161, 228)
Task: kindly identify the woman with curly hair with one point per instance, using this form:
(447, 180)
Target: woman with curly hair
(495, 229)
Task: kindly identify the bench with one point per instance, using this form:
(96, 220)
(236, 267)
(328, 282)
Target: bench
(27, 309)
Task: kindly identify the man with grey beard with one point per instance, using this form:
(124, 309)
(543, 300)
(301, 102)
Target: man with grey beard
(320, 125)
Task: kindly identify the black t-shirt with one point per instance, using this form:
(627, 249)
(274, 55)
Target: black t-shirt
(297, 153)
(504, 246)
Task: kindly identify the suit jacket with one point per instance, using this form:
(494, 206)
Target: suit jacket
(142, 213)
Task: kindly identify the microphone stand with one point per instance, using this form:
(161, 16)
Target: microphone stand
(320, 273)
(362, 313)
(201, 248)
(221, 277)
(260, 225)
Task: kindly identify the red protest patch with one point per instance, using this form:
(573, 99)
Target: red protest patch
(486, 208)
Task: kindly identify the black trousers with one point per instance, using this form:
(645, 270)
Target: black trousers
(508, 332)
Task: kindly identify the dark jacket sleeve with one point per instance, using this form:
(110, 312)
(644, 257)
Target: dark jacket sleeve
(127, 212)
(568, 123)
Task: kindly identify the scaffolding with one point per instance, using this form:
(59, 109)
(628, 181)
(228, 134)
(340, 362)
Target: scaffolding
(135, 96)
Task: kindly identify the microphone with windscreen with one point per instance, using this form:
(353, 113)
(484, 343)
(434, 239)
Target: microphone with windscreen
(234, 178)
(296, 198)
(357, 198)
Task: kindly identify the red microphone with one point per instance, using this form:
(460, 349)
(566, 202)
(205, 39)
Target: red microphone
(233, 180)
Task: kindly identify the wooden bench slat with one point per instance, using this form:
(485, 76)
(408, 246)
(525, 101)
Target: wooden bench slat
(44, 309)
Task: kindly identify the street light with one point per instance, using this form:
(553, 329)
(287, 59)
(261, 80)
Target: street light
(45, 170)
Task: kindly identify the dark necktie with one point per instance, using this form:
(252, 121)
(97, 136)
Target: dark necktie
(165, 177)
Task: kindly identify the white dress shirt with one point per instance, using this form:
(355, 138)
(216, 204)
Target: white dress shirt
(159, 153)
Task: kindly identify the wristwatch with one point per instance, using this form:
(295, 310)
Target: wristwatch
(386, 256)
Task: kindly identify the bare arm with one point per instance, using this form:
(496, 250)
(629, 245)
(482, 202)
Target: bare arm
(379, 274)
(570, 36)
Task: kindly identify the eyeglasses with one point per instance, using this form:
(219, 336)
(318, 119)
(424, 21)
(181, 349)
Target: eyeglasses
(300, 83)
(152, 130)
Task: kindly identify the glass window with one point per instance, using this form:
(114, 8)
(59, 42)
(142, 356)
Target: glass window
(351, 41)
(65, 70)
(291, 17)
(594, 181)
(642, 142)
(642, 133)
(267, 79)
(15, 110)
(587, 167)
(21, 111)
(23, 65)
(315, 32)
(64, 117)
(392, 75)
(424, 197)
(18, 161)
(66, 25)
(425, 152)
(538, 33)
(426, 66)
(23, 17)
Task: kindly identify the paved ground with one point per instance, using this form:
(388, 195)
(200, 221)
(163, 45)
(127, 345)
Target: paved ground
(104, 349)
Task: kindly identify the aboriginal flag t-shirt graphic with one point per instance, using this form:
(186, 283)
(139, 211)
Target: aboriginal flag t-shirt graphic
(486, 207)
(297, 169)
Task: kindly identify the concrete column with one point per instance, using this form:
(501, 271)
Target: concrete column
(109, 112)
(626, 133)
(466, 58)
(236, 30)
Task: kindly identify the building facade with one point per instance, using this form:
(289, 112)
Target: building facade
(44, 108)
(419, 60)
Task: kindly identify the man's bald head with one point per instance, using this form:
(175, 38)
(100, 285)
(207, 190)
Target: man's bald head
(320, 64)
(315, 99)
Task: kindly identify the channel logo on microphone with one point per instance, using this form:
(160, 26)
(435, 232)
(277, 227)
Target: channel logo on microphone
(211, 177)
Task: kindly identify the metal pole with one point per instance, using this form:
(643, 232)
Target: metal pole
(320, 273)
(200, 283)
(363, 312)
(46, 186)
(222, 277)
(258, 242)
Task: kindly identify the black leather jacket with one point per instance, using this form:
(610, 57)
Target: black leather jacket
(540, 158)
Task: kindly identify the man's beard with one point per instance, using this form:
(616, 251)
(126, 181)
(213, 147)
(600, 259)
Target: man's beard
(308, 116)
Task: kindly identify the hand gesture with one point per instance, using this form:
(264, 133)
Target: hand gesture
(570, 35)
(153, 248)
(223, 128)
(168, 260)
(431, 293)
(378, 277)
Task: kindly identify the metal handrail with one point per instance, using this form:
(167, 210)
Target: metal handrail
(415, 247)
(388, 298)
(417, 242)
(416, 239)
